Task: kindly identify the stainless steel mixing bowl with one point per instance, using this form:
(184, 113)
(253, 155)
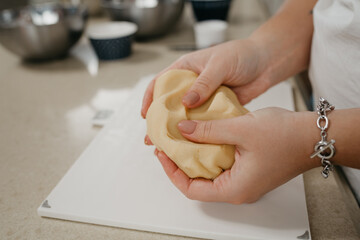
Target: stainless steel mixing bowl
(42, 31)
(153, 17)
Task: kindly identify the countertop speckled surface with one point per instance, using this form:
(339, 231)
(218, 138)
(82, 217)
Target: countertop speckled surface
(45, 116)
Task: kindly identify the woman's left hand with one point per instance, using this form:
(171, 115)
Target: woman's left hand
(273, 145)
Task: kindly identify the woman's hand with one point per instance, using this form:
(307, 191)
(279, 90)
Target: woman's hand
(278, 49)
(239, 64)
(270, 146)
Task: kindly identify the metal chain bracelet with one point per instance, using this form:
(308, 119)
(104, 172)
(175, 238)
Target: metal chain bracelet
(323, 149)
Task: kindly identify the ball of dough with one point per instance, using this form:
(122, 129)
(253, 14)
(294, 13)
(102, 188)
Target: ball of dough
(167, 110)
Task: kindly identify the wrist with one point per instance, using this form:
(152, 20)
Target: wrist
(268, 58)
(308, 137)
(262, 55)
(286, 38)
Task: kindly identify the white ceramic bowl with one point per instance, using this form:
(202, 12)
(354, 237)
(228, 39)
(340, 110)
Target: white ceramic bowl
(210, 32)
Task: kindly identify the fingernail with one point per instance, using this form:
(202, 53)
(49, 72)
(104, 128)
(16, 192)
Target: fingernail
(145, 141)
(187, 127)
(191, 98)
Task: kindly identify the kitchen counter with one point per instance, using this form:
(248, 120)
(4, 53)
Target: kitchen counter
(45, 115)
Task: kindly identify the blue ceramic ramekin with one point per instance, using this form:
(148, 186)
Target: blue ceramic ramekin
(210, 9)
(112, 40)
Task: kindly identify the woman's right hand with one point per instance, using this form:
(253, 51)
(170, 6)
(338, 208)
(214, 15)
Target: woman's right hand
(240, 65)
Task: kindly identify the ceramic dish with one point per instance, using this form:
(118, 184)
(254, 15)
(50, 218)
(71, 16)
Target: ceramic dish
(112, 40)
(210, 9)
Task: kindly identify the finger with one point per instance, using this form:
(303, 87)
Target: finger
(148, 98)
(223, 131)
(206, 83)
(175, 174)
(148, 141)
(196, 189)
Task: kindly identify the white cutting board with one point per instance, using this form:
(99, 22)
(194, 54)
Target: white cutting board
(117, 181)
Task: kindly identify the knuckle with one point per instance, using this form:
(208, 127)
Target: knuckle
(183, 59)
(190, 196)
(242, 197)
(236, 202)
(251, 199)
(206, 130)
(203, 84)
(236, 198)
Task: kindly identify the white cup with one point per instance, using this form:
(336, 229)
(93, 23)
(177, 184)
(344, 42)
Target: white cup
(210, 32)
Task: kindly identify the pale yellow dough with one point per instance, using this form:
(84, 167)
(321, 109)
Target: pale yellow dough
(167, 110)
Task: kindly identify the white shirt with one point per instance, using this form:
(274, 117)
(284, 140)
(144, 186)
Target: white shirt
(335, 60)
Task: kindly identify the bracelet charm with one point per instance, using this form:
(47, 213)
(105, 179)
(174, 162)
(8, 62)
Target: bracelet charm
(324, 149)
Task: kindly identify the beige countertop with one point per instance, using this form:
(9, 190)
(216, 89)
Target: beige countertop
(45, 116)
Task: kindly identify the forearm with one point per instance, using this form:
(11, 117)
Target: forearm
(344, 128)
(286, 39)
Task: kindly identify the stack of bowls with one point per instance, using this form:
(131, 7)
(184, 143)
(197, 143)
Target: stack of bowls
(42, 31)
(153, 17)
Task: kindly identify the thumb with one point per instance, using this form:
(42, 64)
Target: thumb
(214, 131)
(206, 83)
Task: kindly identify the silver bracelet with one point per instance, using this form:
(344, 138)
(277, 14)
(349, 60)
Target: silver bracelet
(323, 149)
